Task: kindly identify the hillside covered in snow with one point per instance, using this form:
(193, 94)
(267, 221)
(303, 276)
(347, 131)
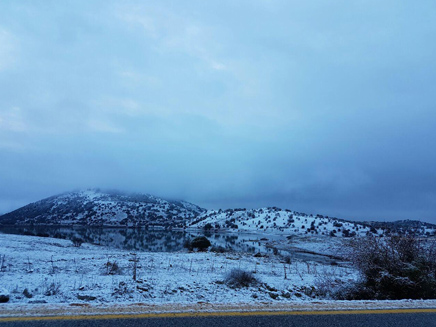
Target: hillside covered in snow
(274, 220)
(104, 208)
(115, 209)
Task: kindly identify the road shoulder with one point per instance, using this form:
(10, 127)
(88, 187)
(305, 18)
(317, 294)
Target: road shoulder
(84, 309)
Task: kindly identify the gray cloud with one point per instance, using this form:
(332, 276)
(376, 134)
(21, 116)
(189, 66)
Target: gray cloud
(321, 108)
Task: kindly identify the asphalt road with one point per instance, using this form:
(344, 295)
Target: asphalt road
(314, 319)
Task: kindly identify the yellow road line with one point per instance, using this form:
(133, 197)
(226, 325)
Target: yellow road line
(217, 314)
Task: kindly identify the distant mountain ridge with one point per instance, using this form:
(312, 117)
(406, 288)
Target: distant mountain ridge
(117, 209)
(104, 208)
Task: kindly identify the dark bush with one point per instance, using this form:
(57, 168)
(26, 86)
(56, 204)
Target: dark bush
(112, 268)
(208, 227)
(287, 259)
(52, 289)
(77, 241)
(240, 278)
(187, 244)
(399, 267)
(201, 243)
(27, 294)
(218, 249)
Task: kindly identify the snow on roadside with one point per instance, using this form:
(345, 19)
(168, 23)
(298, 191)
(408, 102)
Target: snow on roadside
(44, 270)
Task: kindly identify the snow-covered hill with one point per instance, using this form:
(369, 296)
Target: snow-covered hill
(116, 209)
(274, 220)
(104, 208)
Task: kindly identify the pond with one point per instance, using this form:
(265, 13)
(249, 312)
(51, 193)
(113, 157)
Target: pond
(134, 239)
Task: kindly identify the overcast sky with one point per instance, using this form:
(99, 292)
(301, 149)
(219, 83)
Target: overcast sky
(317, 106)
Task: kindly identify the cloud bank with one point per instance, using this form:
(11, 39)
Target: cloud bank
(318, 107)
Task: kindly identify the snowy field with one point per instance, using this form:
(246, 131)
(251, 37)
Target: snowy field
(45, 270)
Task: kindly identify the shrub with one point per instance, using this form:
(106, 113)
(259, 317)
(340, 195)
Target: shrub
(52, 289)
(208, 227)
(112, 268)
(77, 241)
(398, 267)
(240, 278)
(187, 244)
(201, 243)
(287, 259)
(4, 295)
(27, 294)
(218, 249)
(122, 289)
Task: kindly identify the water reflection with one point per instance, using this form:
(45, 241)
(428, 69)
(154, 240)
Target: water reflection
(140, 239)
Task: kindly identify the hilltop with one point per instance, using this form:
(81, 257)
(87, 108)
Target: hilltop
(104, 208)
